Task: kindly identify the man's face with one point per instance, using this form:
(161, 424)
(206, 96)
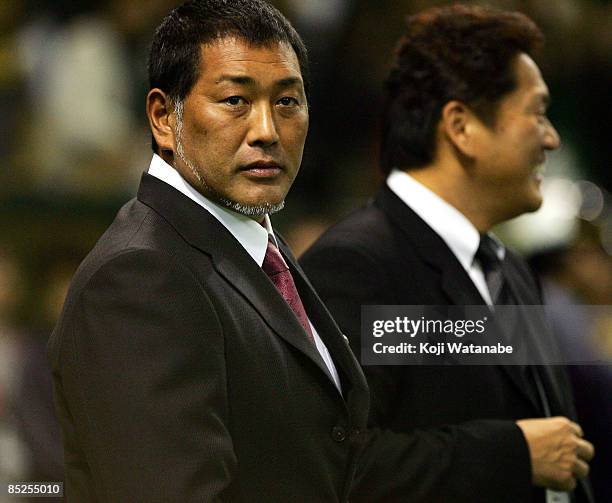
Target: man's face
(511, 154)
(241, 135)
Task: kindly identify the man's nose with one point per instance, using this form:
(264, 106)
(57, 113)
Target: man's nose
(551, 138)
(262, 127)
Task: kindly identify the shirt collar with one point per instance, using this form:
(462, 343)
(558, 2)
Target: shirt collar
(251, 235)
(448, 222)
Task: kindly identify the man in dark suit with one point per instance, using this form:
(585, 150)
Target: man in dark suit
(193, 361)
(464, 136)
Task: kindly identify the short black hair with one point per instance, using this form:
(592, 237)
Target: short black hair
(458, 52)
(174, 58)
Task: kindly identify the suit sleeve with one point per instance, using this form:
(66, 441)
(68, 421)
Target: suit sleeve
(474, 462)
(143, 376)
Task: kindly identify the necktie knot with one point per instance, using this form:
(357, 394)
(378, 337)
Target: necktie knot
(273, 261)
(487, 254)
(491, 264)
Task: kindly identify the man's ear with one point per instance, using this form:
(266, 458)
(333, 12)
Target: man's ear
(460, 126)
(161, 119)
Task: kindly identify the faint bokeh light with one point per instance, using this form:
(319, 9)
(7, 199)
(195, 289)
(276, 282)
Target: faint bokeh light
(553, 225)
(593, 201)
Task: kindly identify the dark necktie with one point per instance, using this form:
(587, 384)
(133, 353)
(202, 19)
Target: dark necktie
(492, 269)
(275, 267)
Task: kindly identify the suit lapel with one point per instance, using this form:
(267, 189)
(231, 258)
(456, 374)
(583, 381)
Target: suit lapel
(455, 282)
(199, 228)
(540, 338)
(242, 272)
(431, 248)
(354, 384)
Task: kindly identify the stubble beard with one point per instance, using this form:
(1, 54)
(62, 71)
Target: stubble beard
(251, 211)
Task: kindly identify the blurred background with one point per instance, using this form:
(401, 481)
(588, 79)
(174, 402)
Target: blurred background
(75, 141)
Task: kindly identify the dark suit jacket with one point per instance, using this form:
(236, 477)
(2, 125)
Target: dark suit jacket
(181, 375)
(437, 434)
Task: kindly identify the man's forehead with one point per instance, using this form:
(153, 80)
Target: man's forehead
(231, 54)
(529, 76)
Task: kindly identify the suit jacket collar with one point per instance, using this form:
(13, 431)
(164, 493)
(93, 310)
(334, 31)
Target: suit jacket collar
(448, 222)
(251, 235)
(431, 248)
(204, 232)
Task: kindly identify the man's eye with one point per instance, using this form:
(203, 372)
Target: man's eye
(234, 101)
(287, 101)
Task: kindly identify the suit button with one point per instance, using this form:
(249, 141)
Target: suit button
(338, 433)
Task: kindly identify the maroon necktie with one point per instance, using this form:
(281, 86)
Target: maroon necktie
(275, 267)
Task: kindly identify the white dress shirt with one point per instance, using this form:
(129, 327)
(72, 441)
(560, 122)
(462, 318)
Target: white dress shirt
(252, 236)
(448, 222)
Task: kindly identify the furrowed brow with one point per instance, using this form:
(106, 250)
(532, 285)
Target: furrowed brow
(236, 79)
(288, 82)
(249, 81)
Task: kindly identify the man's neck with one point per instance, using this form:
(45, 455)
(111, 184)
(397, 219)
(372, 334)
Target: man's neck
(452, 186)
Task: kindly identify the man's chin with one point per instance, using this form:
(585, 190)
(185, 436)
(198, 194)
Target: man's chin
(530, 196)
(536, 205)
(532, 204)
(527, 205)
(535, 200)
(253, 210)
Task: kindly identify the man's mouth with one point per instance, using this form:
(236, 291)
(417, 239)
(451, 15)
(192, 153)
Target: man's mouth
(538, 171)
(262, 169)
